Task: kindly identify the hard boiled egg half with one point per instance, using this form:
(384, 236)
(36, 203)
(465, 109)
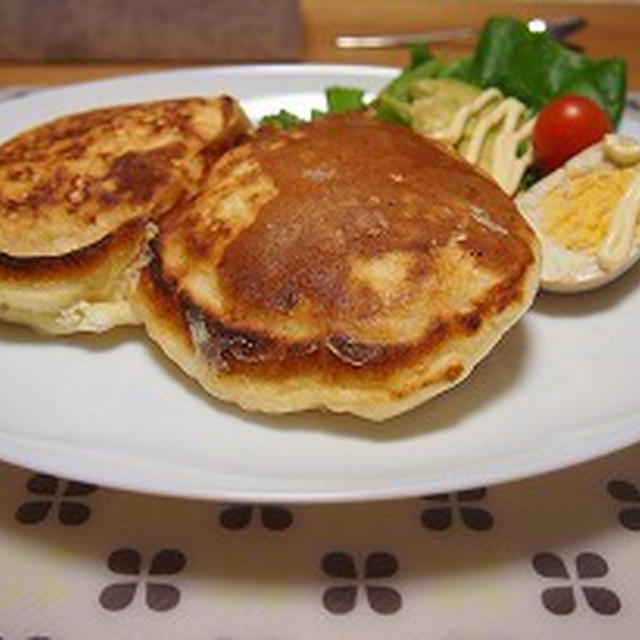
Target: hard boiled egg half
(586, 215)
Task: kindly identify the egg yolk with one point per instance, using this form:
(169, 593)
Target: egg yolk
(578, 212)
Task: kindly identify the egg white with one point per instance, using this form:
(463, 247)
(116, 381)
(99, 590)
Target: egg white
(565, 270)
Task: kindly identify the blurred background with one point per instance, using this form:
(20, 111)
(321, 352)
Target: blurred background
(57, 41)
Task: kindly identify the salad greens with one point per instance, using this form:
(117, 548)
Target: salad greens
(283, 119)
(533, 67)
(339, 100)
(536, 68)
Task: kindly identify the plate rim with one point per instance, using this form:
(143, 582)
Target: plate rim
(372, 70)
(557, 462)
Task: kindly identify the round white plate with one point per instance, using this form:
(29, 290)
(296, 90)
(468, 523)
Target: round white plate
(560, 388)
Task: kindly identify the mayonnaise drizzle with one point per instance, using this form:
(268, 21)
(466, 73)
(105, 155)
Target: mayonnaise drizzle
(453, 133)
(621, 149)
(618, 243)
(507, 167)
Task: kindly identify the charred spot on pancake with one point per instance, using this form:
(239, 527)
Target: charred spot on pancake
(287, 300)
(108, 198)
(161, 294)
(162, 281)
(140, 173)
(237, 344)
(228, 110)
(220, 344)
(235, 135)
(453, 372)
(352, 351)
(472, 321)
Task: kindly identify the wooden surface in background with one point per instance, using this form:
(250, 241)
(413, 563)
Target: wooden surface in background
(150, 30)
(614, 29)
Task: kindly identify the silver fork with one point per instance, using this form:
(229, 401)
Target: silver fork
(558, 28)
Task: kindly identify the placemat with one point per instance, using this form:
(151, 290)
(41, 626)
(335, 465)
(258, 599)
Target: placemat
(552, 557)
(557, 556)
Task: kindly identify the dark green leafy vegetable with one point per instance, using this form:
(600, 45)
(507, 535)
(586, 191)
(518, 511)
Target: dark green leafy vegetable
(283, 119)
(536, 68)
(530, 177)
(339, 100)
(460, 69)
(530, 66)
(419, 52)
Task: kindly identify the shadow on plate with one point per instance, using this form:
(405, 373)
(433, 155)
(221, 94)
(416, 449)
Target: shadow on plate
(500, 371)
(16, 334)
(589, 302)
(493, 377)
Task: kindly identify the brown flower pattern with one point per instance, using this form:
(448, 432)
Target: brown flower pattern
(342, 597)
(159, 594)
(439, 514)
(627, 493)
(49, 493)
(589, 568)
(272, 517)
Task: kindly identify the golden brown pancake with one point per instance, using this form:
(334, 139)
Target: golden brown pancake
(76, 197)
(347, 264)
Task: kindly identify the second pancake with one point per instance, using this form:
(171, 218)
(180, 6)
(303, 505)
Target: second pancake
(347, 264)
(77, 194)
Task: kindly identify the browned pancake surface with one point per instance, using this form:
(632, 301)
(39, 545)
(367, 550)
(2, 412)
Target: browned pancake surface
(68, 183)
(347, 251)
(76, 198)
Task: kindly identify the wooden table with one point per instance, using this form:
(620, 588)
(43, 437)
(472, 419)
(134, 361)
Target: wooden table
(614, 30)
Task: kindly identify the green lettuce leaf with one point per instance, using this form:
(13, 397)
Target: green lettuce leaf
(283, 119)
(536, 68)
(533, 67)
(342, 99)
(339, 100)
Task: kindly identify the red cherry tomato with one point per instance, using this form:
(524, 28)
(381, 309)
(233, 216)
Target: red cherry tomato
(566, 126)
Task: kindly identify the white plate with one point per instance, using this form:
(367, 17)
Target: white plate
(559, 389)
